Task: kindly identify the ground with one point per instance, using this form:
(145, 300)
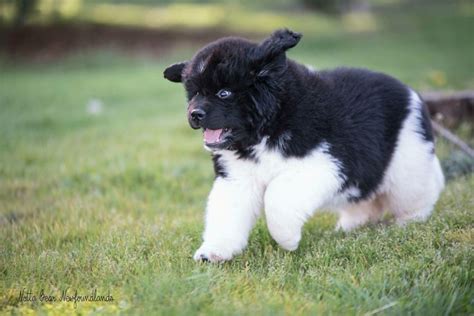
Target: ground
(103, 186)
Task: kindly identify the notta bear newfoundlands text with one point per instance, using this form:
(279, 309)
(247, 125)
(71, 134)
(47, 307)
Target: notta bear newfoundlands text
(287, 140)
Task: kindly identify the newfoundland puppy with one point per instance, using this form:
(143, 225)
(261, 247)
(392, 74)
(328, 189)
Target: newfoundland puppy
(291, 140)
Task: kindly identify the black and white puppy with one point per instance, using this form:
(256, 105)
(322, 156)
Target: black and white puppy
(291, 140)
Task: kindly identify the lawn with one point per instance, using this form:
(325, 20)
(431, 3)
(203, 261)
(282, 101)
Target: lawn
(111, 197)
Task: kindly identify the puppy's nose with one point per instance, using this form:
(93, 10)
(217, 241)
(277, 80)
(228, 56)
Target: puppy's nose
(198, 115)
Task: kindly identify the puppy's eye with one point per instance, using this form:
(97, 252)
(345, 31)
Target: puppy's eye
(223, 94)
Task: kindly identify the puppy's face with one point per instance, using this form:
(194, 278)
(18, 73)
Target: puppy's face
(232, 88)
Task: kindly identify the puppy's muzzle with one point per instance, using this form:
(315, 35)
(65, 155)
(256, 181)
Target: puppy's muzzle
(195, 117)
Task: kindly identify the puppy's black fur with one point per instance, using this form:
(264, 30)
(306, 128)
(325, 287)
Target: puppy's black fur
(357, 112)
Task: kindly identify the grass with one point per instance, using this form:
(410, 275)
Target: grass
(114, 202)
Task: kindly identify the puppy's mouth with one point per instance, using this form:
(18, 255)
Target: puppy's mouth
(216, 137)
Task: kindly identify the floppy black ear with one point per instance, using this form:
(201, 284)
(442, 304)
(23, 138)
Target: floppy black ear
(174, 72)
(270, 58)
(278, 42)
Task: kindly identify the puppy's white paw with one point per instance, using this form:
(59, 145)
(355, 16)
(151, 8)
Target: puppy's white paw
(290, 244)
(286, 238)
(212, 254)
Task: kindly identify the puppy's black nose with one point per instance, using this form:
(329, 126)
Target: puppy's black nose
(198, 115)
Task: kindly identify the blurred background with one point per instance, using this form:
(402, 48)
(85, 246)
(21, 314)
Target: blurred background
(428, 43)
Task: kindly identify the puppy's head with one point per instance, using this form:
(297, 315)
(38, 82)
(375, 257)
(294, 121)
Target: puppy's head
(233, 86)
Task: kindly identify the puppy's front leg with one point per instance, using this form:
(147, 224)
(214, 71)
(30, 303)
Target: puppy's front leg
(232, 208)
(293, 197)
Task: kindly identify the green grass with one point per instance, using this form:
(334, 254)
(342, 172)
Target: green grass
(115, 201)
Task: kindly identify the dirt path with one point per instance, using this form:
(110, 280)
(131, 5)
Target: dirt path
(47, 43)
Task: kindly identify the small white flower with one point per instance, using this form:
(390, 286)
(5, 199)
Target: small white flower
(94, 107)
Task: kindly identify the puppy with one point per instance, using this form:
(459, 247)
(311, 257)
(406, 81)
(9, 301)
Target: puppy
(291, 140)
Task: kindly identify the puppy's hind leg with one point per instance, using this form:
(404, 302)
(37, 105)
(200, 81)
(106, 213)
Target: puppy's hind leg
(416, 205)
(355, 215)
(414, 180)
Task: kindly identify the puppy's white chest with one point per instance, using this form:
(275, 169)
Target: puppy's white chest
(261, 169)
(270, 163)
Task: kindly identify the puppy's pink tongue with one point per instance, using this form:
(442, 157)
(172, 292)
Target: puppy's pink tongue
(212, 135)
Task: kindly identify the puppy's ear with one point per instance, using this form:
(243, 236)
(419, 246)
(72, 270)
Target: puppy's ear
(278, 42)
(174, 72)
(270, 58)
